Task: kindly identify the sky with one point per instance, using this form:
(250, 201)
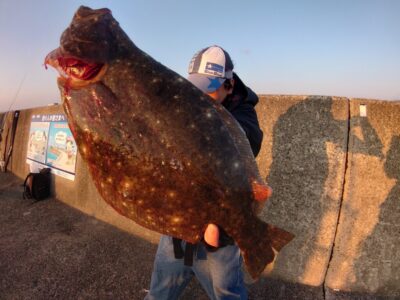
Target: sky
(347, 48)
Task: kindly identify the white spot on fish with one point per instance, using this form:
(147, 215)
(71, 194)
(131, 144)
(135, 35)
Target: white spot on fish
(127, 184)
(180, 79)
(209, 115)
(236, 164)
(140, 201)
(176, 164)
(172, 194)
(176, 220)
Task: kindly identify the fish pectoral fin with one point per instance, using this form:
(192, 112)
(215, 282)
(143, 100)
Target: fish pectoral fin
(261, 192)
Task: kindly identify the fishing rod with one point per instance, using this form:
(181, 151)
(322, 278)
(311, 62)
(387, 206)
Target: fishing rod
(13, 131)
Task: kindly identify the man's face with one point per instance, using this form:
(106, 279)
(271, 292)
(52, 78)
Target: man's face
(220, 94)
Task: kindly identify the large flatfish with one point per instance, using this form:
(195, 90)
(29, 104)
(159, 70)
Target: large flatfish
(159, 151)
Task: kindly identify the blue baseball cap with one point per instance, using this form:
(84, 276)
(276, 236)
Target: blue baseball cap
(207, 69)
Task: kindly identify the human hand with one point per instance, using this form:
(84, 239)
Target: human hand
(211, 235)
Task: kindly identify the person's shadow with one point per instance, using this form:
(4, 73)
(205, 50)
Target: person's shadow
(379, 259)
(307, 175)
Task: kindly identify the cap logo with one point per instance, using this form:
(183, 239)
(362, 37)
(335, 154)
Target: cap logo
(214, 69)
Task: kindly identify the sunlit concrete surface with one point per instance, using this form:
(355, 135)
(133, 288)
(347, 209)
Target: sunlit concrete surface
(366, 257)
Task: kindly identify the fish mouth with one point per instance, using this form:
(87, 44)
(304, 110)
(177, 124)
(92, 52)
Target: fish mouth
(74, 72)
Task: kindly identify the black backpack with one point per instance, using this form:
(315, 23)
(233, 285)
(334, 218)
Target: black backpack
(37, 185)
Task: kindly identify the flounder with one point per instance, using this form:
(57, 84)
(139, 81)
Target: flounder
(160, 152)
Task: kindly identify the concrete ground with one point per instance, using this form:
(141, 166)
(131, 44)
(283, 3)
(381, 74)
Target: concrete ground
(49, 250)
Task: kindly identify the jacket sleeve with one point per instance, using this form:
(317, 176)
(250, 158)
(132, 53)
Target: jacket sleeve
(246, 115)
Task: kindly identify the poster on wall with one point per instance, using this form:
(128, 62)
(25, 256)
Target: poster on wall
(52, 145)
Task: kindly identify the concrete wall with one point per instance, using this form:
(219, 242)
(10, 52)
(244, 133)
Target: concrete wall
(303, 157)
(366, 257)
(335, 179)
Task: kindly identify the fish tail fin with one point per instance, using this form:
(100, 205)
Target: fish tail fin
(260, 251)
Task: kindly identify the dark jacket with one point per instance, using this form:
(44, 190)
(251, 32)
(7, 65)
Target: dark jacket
(241, 105)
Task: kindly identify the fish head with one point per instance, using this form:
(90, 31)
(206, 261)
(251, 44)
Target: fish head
(86, 47)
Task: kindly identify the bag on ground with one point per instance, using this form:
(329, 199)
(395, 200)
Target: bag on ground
(37, 185)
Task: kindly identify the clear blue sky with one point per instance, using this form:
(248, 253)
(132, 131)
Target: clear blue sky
(339, 48)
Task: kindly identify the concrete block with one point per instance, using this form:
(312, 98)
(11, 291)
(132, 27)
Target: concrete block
(366, 257)
(303, 158)
(5, 125)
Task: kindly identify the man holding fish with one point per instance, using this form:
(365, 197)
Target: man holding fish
(217, 262)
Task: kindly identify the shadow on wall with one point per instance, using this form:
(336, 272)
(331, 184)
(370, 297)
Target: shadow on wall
(307, 171)
(356, 264)
(379, 256)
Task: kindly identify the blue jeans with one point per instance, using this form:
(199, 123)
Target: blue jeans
(219, 273)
